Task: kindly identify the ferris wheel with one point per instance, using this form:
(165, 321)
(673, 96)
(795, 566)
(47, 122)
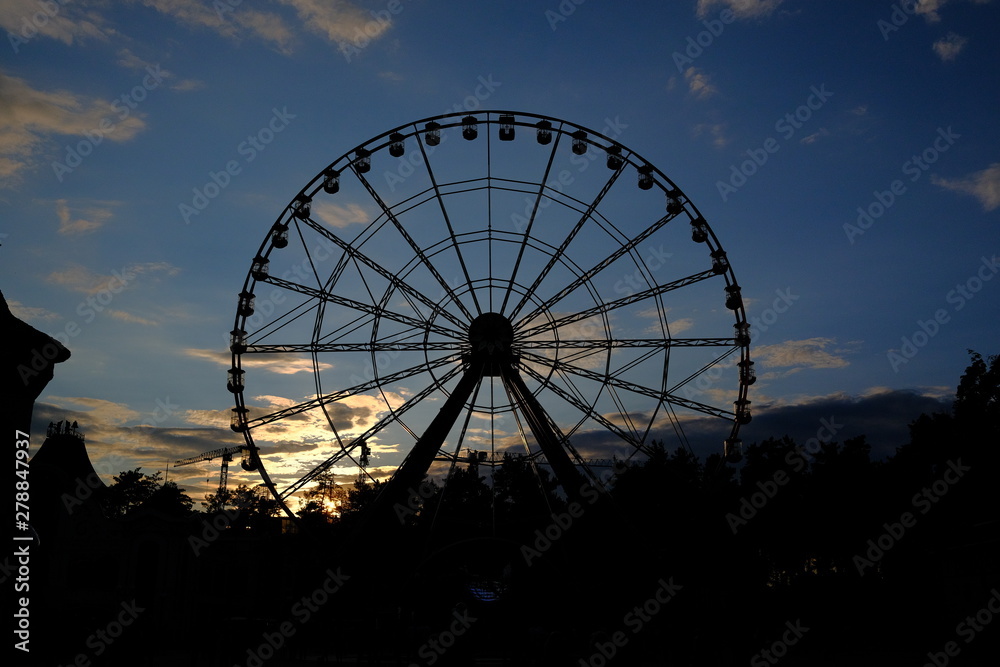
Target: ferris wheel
(474, 286)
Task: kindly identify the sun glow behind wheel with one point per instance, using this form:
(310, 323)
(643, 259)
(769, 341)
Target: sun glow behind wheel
(614, 306)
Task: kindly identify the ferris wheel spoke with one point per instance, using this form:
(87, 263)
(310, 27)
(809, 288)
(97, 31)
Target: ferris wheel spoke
(361, 307)
(609, 306)
(560, 251)
(614, 343)
(413, 346)
(614, 381)
(413, 245)
(393, 415)
(370, 385)
(582, 279)
(585, 409)
(392, 278)
(531, 221)
(447, 222)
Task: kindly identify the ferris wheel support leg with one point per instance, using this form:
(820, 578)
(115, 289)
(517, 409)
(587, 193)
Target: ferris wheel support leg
(412, 471)
(541, 428)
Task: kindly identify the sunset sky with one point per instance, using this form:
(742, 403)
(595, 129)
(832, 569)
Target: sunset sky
(847, 155)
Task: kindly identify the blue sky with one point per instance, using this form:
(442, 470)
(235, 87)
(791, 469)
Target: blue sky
(834, 101)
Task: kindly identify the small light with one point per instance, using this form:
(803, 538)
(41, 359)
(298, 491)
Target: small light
(733, 298)
(245, 306)
(362, 160)
(279, 235)
(331, 182)
(544, 134)
(720, 264)
(645, 177)
(235, 381)
(433, 136)
(579, 142)
(699, 230)
(470, 129)
(259, 268)
(396, 145)
(506, 127)
(238, 421)
(614, 157)
(302, 206)
(237, 341)
(747, 374)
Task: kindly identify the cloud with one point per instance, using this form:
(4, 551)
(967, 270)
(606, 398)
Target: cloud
(815, 136)
(742, 9)
(81, 279)
(860, 110)
(93, 218)
(717, 131)
(229, 22)
(31, 314)
(983, 185)
(29, 116)
(699, 84)
(284, 364)
(949, 46)
(341, 22)
(798, 355)
(68, 22)
(122, 316)
(338, 216)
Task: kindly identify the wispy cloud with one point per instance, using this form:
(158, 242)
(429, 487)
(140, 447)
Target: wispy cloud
(815, 136)
(284, 364)
(742, 9)
(83, 220)
(715, 131)
(81, 279)
(798, 355)
(30, 313)
(699, 83)
(234, 22)
(68, 23)
(29, 116)
(339, 216)
(983, 185)
(341, 22)
(950, 46)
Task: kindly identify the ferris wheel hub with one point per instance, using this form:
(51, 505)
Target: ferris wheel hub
(491, 336)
